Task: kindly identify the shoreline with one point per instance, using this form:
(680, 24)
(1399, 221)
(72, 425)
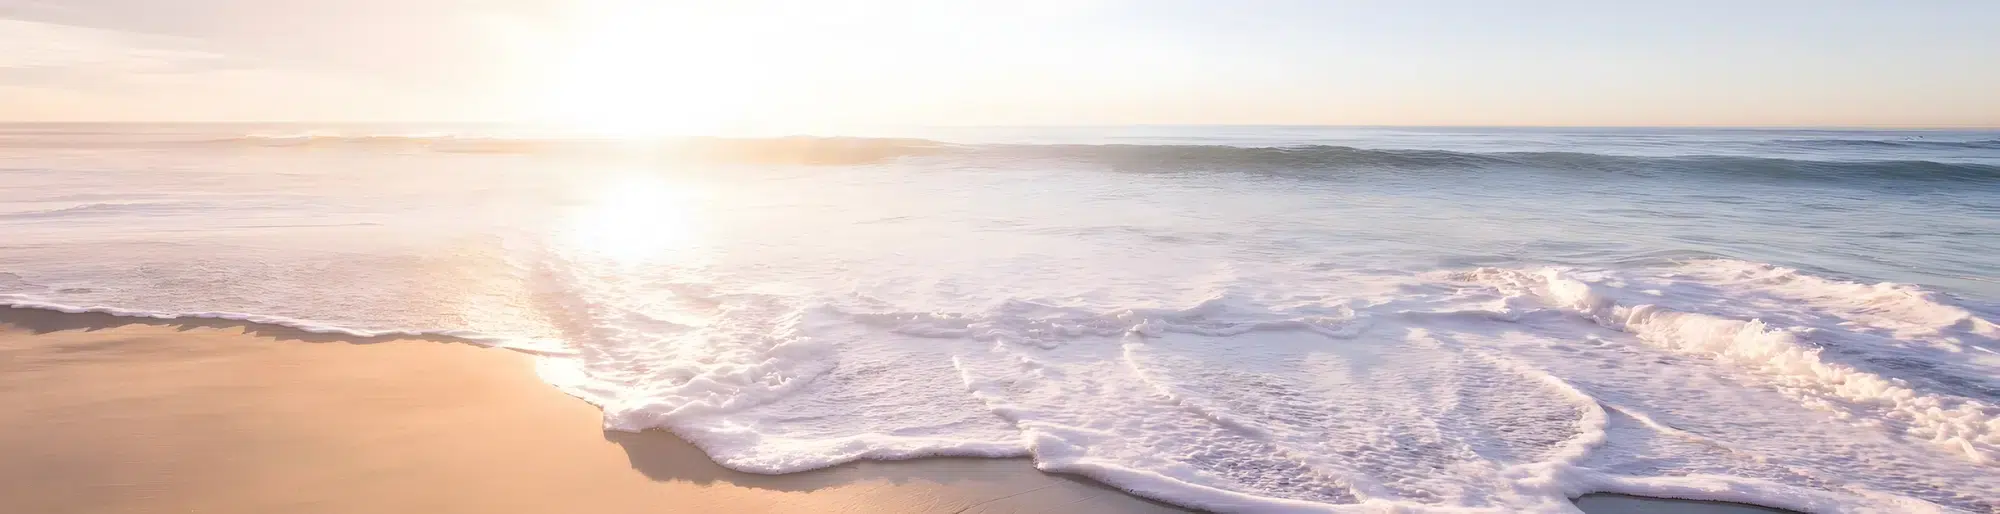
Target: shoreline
(141, 414)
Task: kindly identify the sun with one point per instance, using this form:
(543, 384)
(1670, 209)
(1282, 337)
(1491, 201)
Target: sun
(752, 67)
(636, 69)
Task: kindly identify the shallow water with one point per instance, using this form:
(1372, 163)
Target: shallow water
(1240, 318)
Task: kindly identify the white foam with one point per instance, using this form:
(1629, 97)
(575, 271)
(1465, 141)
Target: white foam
(1907, 313)
(1235, 406)
(1782, 355)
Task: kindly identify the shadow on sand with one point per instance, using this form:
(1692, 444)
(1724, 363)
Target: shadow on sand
(664, 457)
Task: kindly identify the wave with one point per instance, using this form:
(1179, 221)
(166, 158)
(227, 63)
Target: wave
(1302, 160)
(1980, 144)
(1787, 355)
(1321, 159)
(98, 208)
(1493, 379)
(778, 150)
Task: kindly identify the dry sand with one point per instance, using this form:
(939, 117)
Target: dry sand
(112, 415)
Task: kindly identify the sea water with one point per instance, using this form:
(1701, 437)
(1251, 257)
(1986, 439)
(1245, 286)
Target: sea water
(1260, 319)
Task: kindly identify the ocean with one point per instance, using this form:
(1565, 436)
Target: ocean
(1254, 319)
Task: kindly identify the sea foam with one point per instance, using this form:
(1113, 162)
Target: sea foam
(1493, 389)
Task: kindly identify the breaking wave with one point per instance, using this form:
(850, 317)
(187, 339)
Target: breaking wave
(1491, 389)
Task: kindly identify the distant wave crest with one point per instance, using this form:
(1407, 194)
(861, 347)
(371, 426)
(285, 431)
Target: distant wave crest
(97, 208)
(1305, 160)
(1982, 144)
(1332, 160)
(793, 150)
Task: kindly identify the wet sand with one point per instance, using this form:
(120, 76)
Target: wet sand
(122, 415)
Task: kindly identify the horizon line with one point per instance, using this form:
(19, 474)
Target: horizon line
(1081, 125)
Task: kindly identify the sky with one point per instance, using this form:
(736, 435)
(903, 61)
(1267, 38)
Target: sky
(681, 65)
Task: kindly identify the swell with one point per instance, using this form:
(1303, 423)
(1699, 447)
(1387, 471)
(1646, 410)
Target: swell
(1339, 158)
(777, 150)
(1980, 144)
(1303, 160)
(100, 208)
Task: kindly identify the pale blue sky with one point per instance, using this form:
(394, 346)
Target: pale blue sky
(779, 62)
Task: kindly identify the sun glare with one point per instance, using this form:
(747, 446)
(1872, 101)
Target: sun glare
(684, 67)
(638, 70)
(636, 219)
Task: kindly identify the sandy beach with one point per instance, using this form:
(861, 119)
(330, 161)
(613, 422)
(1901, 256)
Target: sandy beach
(117, 415)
